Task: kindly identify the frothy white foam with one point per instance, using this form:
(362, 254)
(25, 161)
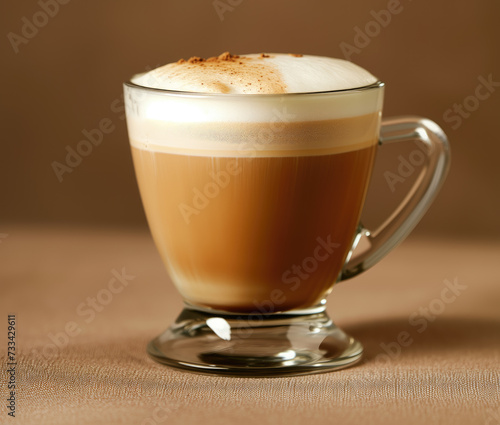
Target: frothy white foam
(258, 74)
(317, 73)
(160, 120)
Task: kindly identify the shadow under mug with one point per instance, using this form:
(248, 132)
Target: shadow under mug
(254, 203)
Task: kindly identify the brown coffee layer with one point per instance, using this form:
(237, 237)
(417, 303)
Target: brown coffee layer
(240, 234)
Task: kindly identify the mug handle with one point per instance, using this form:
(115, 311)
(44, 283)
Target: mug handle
(406, 216)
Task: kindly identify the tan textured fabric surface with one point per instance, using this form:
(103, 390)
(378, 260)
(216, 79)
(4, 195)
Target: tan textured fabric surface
(448, 374)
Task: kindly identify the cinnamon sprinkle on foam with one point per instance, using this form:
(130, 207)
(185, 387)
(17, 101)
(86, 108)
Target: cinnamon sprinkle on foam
(268, 73)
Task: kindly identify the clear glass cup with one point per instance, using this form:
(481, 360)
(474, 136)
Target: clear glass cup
(254, 203)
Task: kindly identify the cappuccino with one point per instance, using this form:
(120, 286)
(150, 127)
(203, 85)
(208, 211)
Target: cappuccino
(253, 172)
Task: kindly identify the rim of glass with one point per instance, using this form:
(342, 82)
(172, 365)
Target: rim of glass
(131, 84)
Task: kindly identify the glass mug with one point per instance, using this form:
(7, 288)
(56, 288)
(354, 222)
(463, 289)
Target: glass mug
(254, 203)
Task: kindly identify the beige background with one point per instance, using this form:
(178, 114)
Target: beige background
(448, 373)
(66, 78)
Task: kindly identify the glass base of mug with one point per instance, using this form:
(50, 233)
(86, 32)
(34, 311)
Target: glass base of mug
(255, 345)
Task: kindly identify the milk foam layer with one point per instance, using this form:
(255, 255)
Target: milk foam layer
(258, 74)
(246, 123)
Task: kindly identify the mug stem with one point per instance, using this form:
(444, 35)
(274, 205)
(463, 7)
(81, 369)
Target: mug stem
(255, 345)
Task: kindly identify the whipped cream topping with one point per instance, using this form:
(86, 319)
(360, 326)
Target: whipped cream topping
(271, 73)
